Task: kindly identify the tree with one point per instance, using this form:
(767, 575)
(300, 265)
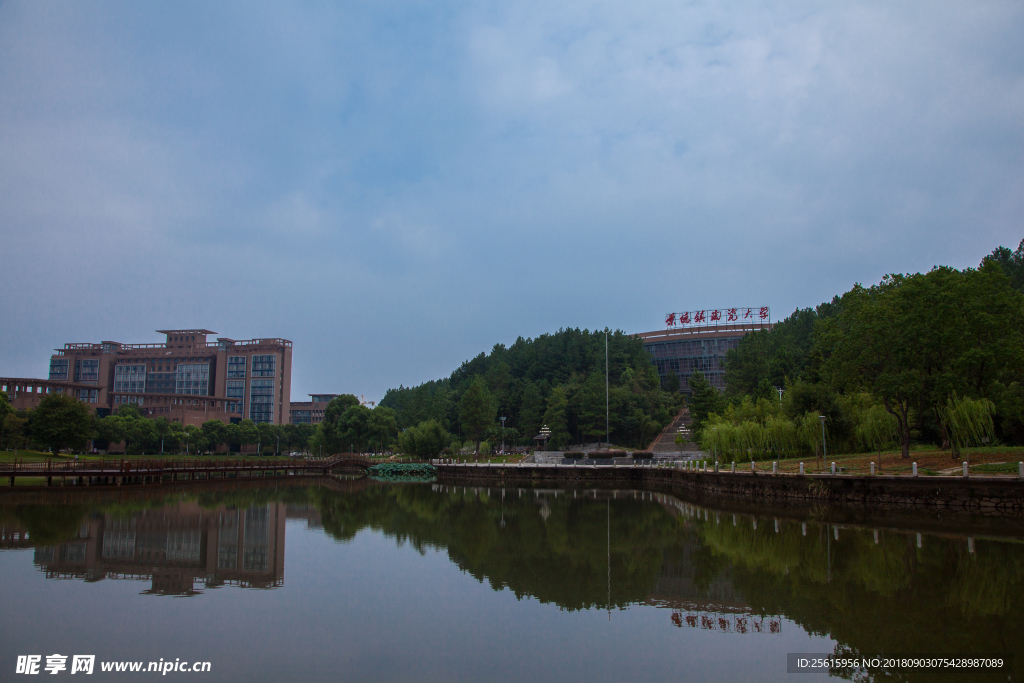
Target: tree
(531, 410)
(425, 440)
(352, 430)
(129, 411)
(477, 410)
(916, 340)
(1011, 263)
(60, 421)
(5, 406)
(247, 433)
(139, 433)
(382, 426)
(592, 408)
(704, 400)
(555, 417)
(968, 421)
(267, 436)
(110, 429)
(215, 433)
(877, 429)
(337, 406)
(13, 428)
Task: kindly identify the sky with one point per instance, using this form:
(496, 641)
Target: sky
(398, 186)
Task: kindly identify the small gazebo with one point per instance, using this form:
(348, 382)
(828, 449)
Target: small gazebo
(542, 438)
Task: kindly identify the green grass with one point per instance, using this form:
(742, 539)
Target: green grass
(996, 468)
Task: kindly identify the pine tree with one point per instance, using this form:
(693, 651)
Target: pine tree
(704, 400)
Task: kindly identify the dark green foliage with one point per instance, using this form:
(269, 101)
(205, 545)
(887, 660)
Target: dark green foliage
(425, 440)
(573, 455)
(60, 421)
(347, 430)
(703, 401)
(1011, 263)
(907, 344)
(556, 379)
(769, 358)
(600, 455)
(477, 410)
(642, 455)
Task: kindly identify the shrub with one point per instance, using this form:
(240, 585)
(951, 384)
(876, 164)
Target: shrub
(643, 455)
(599, 455)
(573, 454)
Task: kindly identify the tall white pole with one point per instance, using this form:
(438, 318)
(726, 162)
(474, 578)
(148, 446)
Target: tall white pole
(607, 412)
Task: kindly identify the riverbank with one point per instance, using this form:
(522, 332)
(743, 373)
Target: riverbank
(993, 496)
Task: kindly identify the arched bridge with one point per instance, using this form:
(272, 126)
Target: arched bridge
(346, 460)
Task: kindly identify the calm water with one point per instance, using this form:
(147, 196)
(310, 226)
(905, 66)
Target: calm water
(364, 581)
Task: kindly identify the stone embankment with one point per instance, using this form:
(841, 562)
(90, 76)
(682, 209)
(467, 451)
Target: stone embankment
(978, 495)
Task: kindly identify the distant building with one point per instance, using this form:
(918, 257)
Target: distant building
(310, 412)
(185, 379)
(699, 340)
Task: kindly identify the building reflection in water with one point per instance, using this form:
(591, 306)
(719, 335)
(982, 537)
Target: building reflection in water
(713, 604)
(181, 548)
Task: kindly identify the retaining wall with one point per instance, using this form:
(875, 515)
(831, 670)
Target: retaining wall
(995, 496)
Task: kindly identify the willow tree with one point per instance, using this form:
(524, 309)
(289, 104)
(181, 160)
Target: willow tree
(877, 429)
(968, 421)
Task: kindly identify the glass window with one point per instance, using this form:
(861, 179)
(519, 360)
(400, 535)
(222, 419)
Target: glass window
(236, 366)
(263, 366)
(261, 400)
(130, 377)
(59, 368)
(193, 379)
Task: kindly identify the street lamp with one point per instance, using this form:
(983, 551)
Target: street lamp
(502, 435)
(824, 453)
(780, 390)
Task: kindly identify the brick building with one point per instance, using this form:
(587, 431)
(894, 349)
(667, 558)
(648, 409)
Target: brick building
(310, 412)
(186, 379)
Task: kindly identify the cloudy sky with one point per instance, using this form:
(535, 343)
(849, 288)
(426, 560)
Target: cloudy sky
(397, 186)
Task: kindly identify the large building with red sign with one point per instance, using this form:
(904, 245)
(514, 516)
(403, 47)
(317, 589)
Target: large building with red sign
(699, 340)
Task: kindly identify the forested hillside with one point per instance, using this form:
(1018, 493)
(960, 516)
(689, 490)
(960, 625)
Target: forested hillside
(556, 379)
(933, 357)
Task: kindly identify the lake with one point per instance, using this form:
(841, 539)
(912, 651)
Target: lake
(360, 580)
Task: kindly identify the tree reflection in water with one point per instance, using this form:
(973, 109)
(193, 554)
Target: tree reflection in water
(875, 591)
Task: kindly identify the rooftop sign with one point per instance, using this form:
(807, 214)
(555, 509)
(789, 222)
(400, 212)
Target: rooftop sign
(718, 316)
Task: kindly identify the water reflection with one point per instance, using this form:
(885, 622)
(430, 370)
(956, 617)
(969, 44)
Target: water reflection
(180, 548)
(873, 589)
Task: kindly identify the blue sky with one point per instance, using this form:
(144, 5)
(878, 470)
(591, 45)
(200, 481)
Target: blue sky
(399, 186)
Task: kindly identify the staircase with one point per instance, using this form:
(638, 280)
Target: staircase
(666, 441)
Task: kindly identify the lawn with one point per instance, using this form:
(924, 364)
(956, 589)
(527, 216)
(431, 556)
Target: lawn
(930, 462)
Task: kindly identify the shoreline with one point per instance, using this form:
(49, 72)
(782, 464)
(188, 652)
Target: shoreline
(979, 496)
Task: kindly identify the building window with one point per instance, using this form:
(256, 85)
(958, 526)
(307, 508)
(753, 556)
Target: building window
(302, 417)
(236, 366)
(263, 366)
(131, 378)
(59, 369)
(261, 400)
(193, 379)
(87, 370)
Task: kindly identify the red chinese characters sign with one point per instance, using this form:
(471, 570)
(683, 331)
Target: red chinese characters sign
(718, 316)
